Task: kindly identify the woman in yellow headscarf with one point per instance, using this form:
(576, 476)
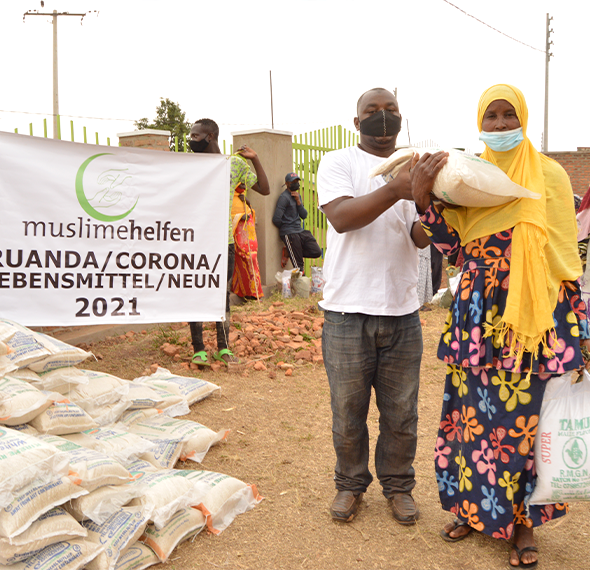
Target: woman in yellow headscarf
(516, 320)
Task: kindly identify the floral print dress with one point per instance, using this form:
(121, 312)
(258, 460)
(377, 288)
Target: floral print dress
(484, 450)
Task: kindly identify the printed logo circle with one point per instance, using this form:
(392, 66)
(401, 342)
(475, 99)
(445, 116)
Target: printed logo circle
(575, 453)
(105, 192)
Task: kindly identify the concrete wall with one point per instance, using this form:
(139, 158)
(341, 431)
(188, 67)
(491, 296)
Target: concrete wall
(149, 139)
(274, 148)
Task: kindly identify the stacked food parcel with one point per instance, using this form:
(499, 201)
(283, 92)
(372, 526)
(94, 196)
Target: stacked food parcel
(87, 477)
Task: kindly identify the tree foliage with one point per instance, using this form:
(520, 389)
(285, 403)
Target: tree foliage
(169, 117)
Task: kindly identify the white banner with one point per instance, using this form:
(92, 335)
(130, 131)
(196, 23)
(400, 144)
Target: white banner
(95, 235)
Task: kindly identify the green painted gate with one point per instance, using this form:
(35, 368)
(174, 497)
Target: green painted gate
(308, 150)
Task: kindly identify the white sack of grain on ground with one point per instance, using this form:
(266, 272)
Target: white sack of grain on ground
(89, 468)
(117, 533)
(20, 402)
(185, 524)
(34, 501)
(139, 467)
(167, 493)
(67, 555)
(144, 396)
(59, 380)
(137, 557)
(109, 413)
(54, 526)
(62, 417)
(103, 502)
(192, 389)
(60, 355)
(131, 416)
(465, 180)
(102, 389)
(165, 453)
(197, 438)
(225, 497)
(25, 459)
(113, 441)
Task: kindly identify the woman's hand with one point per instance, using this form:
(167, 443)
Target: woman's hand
(423, 172)
(247, 152)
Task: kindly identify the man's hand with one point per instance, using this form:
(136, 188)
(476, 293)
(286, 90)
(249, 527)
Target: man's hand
(297, 196)
(247, 152)
(423, 172)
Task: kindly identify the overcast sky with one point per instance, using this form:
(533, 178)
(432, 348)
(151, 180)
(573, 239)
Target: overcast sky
(213, 57)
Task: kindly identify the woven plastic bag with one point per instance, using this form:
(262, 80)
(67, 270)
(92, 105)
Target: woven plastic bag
(465, 180)
(562, 443)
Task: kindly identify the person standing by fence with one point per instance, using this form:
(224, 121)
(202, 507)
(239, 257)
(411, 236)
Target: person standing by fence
(204, 137)
(288, 215)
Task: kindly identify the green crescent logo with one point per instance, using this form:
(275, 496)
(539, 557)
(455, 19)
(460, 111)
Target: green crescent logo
(84, 201)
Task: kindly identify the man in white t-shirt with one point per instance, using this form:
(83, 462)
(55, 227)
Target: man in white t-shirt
(372, 335)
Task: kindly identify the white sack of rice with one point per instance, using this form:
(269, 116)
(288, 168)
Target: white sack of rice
(59, 380)
(164, 454)
(114, 442)
(197, 438)
(54, 526)
(67, 555)
(103, 502)
(144, 396)
(131, 416)
(192, 389)
(102, 389)
(62, 417)
(465, 180)
(185, 524)
(137, 557)
(89, 468)
(225, 497)
(116, 534)
(20, 402)
(61, 355)
(109, 413)
(24, 459)
(34, 501)
(139, 467)
(167, 493)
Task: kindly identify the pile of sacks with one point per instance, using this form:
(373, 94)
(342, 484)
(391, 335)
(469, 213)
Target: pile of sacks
(87, 476)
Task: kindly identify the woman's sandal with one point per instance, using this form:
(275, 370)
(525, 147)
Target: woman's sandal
(520, 552)
(200, 358)
(226, 352)
(447, 535)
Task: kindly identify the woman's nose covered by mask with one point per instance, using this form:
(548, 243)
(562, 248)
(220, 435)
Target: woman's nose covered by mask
(381, 124)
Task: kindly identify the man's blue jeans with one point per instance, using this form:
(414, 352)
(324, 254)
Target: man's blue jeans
(363, 352)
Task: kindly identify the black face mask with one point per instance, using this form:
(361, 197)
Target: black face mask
(198, 146)
(294, 186)
(381, 124)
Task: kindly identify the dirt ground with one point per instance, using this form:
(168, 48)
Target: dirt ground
(281, 440)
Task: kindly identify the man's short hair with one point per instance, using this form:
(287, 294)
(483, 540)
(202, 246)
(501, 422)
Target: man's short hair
(209, 125)
(358, 103)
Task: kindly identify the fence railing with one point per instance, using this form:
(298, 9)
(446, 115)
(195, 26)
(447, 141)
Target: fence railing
(308, 150)
(59, 133)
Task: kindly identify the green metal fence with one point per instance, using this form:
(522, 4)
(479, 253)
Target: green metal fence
(308, 150)
(84, 134)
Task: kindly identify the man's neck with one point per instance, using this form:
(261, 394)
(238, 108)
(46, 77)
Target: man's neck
(213, 148)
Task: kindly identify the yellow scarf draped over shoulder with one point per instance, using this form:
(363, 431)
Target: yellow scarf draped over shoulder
(544, 239)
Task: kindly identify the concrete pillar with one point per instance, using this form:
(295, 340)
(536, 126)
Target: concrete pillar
(275, 150)
(149, 138)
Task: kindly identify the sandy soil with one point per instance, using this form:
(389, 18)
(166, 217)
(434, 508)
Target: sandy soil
(281, 441)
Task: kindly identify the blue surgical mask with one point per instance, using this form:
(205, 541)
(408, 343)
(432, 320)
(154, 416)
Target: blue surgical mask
(501, 141)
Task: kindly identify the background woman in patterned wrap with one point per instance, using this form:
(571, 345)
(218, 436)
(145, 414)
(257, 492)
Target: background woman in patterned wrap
(517, 319)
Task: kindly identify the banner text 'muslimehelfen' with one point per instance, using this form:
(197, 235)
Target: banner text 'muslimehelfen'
(160, 231)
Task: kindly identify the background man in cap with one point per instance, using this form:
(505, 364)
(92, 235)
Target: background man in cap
(287, 217)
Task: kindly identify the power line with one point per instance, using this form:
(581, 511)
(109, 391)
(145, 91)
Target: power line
(491, 27)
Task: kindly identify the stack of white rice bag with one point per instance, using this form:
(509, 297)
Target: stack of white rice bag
(87, 477)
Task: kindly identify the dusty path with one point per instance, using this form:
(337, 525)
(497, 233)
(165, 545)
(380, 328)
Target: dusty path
(281, 440)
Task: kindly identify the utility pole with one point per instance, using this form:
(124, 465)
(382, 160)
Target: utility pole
(548, 55)
(54, 15)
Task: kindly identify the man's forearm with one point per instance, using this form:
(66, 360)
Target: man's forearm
(263, 185)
